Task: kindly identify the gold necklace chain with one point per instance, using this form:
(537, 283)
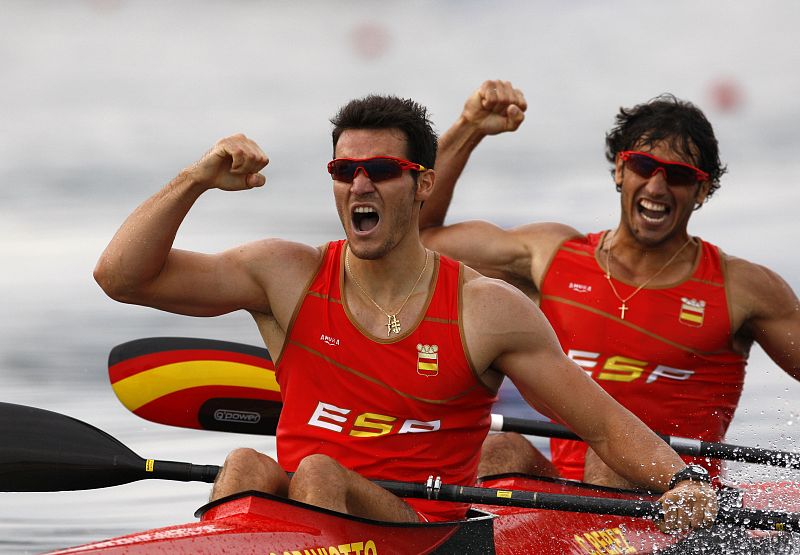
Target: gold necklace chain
(392, 323)
(623, 307)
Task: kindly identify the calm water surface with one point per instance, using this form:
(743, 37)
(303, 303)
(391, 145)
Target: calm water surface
(104, 101)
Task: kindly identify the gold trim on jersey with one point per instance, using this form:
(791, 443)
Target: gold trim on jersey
(575, 251)
(632, 326)
(375, 381)
(440, 320)
(706, 282)
(324, 297)
(299, 303)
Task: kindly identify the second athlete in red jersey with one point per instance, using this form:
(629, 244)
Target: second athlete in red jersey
(669, 360)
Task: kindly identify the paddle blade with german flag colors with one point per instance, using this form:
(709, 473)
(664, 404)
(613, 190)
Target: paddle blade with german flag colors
(197, 383)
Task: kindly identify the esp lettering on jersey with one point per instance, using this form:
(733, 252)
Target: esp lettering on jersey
(619, 368)
(366, 424)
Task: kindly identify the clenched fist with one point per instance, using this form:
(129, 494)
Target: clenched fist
(232, 164)
(496, 107)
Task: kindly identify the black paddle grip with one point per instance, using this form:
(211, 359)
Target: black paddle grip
(180, 471)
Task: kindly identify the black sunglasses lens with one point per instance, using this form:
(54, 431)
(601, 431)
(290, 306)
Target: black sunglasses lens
(382, 169)
(343, 170)
(642, 165)
(675, 174)
(377, 169)
(678, 175)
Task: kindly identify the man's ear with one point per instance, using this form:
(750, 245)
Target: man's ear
(425, 183)
(618, 172)
(702, 194)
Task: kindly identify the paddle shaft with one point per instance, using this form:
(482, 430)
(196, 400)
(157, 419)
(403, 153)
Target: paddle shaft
(681, 445)
(523, 499)
(749, 518)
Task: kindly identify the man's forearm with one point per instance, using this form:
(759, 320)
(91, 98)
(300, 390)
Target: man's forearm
(496, 107)
(620, 453)
(455, 148)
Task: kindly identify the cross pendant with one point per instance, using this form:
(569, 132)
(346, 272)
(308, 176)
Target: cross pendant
(392, 326)
(622, 310)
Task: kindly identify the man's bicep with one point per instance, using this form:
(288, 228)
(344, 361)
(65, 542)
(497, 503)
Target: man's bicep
(242, 278)
(544, 375)
(506, 331)
(773, 314)
(198, 284)
(559, 388)
(777, 328)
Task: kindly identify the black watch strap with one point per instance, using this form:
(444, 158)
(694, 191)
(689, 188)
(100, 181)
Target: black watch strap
(691, 472)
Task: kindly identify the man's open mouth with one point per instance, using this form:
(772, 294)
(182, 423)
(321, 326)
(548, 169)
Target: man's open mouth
(365, 218)
(653, 212)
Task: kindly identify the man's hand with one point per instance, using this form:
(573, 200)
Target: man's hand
(232, 164)
(688, 505)
(496, 107)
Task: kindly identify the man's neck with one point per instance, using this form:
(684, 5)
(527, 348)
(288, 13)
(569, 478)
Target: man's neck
(388, 278)
(632, 260)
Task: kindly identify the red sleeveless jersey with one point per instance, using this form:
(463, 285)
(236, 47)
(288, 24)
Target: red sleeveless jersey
(670, 361)
(401, 408)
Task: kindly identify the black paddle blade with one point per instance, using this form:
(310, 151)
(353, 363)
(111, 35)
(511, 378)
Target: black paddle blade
(42, 450)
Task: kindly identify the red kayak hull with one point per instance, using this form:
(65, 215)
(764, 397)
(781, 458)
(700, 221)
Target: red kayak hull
(544, 531)
(268, 525)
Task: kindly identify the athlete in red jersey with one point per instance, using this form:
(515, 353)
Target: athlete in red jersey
(663, 321)
(379, 340)
(667, 349)
(378, 395)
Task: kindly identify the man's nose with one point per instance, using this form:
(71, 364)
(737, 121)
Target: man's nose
(362, 184)
(658, 181)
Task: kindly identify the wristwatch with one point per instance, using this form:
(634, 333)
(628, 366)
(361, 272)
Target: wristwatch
(691, 472)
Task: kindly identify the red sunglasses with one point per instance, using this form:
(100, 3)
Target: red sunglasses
(377, 168)
(676, 173)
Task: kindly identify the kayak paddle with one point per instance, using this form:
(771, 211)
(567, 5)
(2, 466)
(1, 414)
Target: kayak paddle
(48, 451)
(226, 386)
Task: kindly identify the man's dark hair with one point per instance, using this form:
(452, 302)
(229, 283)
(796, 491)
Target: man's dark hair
(391, 112)
(668, 119)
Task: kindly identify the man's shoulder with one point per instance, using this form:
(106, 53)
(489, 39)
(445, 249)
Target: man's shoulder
(282, 269)
(275, 246)
(552, 233)
(280, 254)
(754, 285)
(543, 240)
(736, 270)
(492, 296)
(740, 270)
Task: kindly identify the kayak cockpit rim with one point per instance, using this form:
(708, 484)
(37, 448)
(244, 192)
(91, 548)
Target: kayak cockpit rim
(213, 507)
